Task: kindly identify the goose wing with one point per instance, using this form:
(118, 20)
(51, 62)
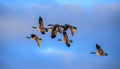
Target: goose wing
(99, 49)
(38, 42)
(72, 30)
(41, 25)
(65, 36)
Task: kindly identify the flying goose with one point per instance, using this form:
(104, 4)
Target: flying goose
(35, 37)
(72, 28)
(66, 39)
(53, 30)
(57, 27)
(100, 52)
(41, 26)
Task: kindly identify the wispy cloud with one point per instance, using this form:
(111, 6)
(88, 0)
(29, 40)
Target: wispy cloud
(66, 55)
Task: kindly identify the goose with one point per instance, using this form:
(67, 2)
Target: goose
(65, 39)
(72, 28)
(40, 28)
(53, 30)
(100, 52)
(35, 37)
(57, 26)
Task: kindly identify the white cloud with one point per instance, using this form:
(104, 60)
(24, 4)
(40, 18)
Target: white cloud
(67, 55)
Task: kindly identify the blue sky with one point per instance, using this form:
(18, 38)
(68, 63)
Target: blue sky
(97, 22)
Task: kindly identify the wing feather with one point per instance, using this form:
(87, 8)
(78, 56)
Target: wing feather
(41, 25)
(99, 49)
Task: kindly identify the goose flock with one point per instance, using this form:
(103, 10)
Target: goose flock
(56, 28)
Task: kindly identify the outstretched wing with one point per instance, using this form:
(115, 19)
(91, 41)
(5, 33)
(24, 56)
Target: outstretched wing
(99, 49)
(65, 36)
(72, 30)
(41, 25)
(38, 42)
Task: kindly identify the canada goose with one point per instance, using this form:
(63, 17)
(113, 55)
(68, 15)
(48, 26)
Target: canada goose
(41, 26)
(57, 27)
(35, 37)
(100, 52)
(53, 30)
(72, 28)
(66, 39)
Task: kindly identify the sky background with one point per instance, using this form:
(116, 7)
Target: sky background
(98, 21)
